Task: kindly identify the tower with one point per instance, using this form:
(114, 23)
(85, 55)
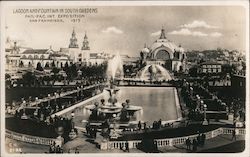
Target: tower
(85, 43)
(73, 47)
(163, 36)
(73, 40)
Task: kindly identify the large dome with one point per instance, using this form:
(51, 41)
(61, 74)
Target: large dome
(145, 50)
(164, 49)
(164, 43)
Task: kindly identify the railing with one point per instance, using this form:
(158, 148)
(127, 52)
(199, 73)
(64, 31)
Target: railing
(175, 141)
(78, 107)
(29, 138)
(132, 144)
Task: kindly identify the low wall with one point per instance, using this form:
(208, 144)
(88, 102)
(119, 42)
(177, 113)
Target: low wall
(178, 106)
(78, 107)
(171, 141)
(104, 145)
(29, 138)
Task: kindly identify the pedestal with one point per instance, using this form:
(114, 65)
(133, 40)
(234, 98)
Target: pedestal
(205, 122)
(104, 145)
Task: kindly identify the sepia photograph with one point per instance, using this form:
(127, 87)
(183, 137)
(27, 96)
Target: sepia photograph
(124, 77)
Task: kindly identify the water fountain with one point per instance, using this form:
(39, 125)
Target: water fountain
(154, 72)
(112, 110)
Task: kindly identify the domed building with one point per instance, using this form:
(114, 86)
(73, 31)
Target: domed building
(164, 52)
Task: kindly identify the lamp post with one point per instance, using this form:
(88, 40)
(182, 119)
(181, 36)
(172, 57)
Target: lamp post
(78, 89)
(72, 118)
(202, 104)
(36, 101)
(198, 101)
(205, 122)
(191, 91)
(72, 115)
(48, 99)
(24, 116)
(36, 111)
(24, 104)
(55, 94)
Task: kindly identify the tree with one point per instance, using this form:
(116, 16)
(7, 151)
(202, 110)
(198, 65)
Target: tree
(193, 71)
(7, 80)
(55, 70)
(39, 67)
(21, 64)
(66, 66)
(30, 65)
(29, 79)
(47, 65)
(53, 64)
(7, 76)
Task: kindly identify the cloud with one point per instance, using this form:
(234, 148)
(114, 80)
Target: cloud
(216, 34)
(198, 24)
(112, 30)
(156, 33)
(186, 32)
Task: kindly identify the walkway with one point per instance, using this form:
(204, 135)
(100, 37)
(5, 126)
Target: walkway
(218, 141)
(52, 97)
(89, 146)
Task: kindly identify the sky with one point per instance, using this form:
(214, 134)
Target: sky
(125, 29)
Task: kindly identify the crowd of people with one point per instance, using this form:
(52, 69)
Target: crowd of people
(55, 148)
(45, 109)
(199, 141)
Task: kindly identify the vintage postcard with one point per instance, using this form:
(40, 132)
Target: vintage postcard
(125, 77)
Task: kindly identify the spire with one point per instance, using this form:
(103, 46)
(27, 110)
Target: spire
(85, 36)
(145, 45)
(163, 36)
(73, 40)
(85, 43)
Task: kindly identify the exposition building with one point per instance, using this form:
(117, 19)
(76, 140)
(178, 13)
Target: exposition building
(164, 52)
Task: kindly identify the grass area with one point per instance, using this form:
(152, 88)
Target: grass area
(235, 147)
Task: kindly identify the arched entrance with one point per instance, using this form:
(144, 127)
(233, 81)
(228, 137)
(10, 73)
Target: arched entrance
(162, 55)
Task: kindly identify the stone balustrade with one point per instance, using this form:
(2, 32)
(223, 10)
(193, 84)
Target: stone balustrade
(132, 144)
(172, 141)
(29, 138)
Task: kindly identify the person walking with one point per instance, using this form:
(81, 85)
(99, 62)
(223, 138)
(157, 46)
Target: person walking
(234, 135)
(139, 125)
(144, 125)
(127, 146)
(194, 145)
(203, 139)
(199, 140)
(188, 143)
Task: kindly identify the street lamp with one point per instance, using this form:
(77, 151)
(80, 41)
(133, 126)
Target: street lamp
(72, 115)
(24, 116)
(36, 111)
(205, 122)
(48, 99)
(198, 99)
(55, 94)
(81, 91)
(201, 104)
(191, 91)
(36, 100)
(24, 103)
(78, 92)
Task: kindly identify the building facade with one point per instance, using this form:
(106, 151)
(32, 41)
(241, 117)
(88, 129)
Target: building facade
(83, 54)
(210, 67)
(164, 52)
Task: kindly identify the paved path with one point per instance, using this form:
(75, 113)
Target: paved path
(218, 141)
